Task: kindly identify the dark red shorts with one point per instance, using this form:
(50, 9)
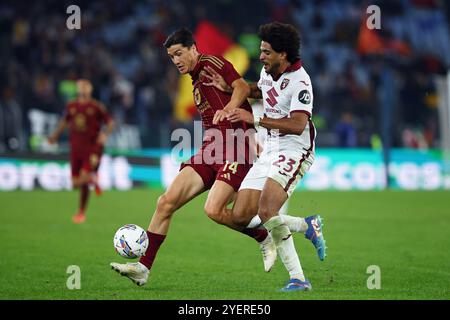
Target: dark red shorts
(232, 173)
(87, 159)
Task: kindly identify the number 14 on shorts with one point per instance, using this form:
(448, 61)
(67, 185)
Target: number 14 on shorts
(232, 167)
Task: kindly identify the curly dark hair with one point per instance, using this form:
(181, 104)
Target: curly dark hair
(283, 38)
(181, 36)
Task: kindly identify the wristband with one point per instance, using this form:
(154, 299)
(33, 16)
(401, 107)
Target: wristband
(257, 119)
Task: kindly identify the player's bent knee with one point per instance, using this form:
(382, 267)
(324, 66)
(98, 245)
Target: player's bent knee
(213, 212)
(166, 205)
(264, 214)
(240, 219)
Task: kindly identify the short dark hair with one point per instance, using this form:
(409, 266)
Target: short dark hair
(283, 38)
(181, 36)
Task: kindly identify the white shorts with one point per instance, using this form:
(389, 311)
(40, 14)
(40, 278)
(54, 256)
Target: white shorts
(285, 167)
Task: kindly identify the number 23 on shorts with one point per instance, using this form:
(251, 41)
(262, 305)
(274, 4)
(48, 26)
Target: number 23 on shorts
(289, 165)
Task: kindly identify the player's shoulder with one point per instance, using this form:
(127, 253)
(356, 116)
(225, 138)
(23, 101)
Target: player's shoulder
(71, 103)
(214, 61)
(98, 104)
(301, 76)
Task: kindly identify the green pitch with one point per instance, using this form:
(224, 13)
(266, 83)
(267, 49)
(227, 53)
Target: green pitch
(406, 234)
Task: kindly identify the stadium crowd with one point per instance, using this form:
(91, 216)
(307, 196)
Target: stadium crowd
(119, 49)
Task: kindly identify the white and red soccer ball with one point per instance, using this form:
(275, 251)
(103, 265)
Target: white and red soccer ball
(131, 241)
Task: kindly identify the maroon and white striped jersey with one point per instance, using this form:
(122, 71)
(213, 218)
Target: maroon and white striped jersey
(290, 92)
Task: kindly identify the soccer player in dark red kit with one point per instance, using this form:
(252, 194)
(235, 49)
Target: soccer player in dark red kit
(84, 117)
(199, 174)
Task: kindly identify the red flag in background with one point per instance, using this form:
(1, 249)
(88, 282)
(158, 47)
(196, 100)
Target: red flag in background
(371, 41)
(210, 40)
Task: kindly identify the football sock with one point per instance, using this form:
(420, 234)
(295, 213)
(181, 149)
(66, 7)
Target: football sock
(255, 233)
(295, 224)
(84, 197)
(154, 242)
(284, 208)
(255, 222)
(285, 246)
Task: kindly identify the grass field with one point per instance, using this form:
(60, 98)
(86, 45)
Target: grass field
(406, 234)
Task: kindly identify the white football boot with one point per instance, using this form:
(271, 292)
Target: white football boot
(269, 252)
(136, 271)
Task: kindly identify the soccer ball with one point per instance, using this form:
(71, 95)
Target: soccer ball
(131, 241)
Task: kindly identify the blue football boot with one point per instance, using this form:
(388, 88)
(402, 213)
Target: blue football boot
(315, 234)
(297, 285)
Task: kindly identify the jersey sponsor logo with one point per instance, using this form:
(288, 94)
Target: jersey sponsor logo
(270, 110)
(284, 84)
(272, 94)
(265, 82)
(304, 97)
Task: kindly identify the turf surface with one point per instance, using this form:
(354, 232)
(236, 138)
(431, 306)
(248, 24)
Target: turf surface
(406, 234)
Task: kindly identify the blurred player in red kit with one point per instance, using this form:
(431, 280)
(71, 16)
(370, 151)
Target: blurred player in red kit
(84, 117)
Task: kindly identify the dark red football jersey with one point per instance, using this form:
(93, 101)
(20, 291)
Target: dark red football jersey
(209, 99)
(85, 121)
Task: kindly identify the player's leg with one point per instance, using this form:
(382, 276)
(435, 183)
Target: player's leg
(311, 227)
(186, 186)
(87, 161)
(80, 183)
(273, 196)
(216, 209)
(76, 165)
(94, 163)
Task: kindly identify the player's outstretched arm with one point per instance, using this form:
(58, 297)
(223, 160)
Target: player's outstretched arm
(255, 92)
(103, 136)
(216, 80)
(62, 125)
(241, 91)
(293, 125)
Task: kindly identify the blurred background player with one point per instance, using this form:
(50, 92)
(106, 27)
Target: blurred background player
(84, 117)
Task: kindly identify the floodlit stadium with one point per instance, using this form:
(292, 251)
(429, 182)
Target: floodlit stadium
(378, 126)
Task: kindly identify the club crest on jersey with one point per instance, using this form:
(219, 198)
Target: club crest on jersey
(284, 84)
(197, 96)
(304, 97)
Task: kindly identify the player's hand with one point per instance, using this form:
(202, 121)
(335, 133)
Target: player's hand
(239, 114)
(52, 139)
(101, 139)
(219, 116)
(216, 80)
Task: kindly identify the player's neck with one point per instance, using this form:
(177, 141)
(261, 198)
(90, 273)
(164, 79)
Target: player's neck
(195, 61)
(84, 99)
(282, 68)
